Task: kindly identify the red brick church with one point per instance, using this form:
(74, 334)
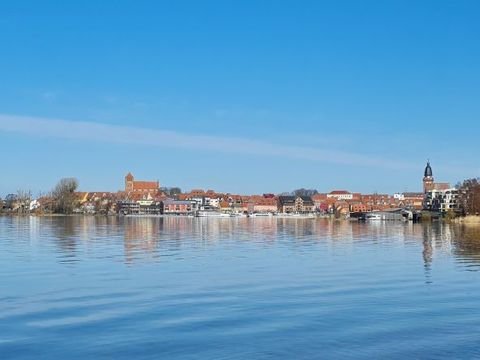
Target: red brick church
(140, 187)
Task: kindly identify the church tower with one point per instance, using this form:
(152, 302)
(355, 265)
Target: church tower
(129, 183)
(428, 181)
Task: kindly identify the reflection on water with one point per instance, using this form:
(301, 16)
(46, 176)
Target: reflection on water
(185, 288)
(144, 235)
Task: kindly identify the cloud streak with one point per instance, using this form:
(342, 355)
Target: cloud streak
(106, 133)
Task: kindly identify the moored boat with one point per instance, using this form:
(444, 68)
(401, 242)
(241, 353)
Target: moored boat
(211, 213)
(261, 215)
(373, 217)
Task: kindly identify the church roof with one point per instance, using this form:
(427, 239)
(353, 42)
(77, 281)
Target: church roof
(145, 185)
(428, 170)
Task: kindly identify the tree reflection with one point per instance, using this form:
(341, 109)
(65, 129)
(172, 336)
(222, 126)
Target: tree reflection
(65, 230)
(467, 243)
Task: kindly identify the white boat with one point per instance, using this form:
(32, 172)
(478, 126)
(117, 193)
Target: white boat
(211, 213)
(238, 215)
(373, 217)
(305, 216)
(261, 215)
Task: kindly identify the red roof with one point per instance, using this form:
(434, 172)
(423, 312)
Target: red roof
(145, 185)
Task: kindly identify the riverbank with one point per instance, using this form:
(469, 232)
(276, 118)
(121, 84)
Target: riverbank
(468, 220)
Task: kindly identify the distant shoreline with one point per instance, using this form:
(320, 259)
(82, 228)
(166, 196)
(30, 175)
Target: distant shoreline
(473, 220)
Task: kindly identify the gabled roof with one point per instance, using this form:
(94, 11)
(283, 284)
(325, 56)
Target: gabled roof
(340, 192)
(145, 185)
(176, 202)
(285, 199)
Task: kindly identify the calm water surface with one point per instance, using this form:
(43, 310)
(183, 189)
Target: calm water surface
(181, 288)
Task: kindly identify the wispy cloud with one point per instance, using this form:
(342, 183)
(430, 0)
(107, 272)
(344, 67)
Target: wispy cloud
(98, 132)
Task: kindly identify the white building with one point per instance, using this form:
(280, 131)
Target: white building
(340, 195)
(441, 200)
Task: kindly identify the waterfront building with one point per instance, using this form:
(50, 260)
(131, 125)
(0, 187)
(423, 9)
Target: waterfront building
(379, 201)
(128, 207)
(142, 207)
(178, 207)
(260, 204)
(286, 204)
(413, 200)
(208, 198)
(358, 207)
(295, 204)
(320, 201)
(441, 200)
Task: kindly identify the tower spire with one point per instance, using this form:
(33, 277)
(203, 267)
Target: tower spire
(428, 170)
(428, 181)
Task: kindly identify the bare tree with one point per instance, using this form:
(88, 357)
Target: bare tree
(304, 192)
(24, 197)
(64, 195)
(10, 201)
(469, 196)
(171, 191)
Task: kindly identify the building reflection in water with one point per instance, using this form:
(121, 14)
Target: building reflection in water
(154, 237)
(140, 237)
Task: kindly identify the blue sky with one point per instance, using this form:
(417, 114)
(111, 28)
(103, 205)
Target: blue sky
(239, 96)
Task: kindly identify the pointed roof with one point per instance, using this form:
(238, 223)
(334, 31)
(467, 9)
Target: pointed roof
(428, 170)
(129, 176)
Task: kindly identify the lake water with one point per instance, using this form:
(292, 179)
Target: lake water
(184, 288)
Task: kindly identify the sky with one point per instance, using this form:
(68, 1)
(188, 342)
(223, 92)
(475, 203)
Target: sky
(249, 96)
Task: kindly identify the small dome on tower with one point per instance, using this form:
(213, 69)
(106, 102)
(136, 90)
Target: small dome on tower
(428, 170)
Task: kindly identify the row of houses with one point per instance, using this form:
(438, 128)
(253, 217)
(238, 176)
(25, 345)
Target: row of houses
(156, 202)
(436, 196)
(146, 197)
(267, 203)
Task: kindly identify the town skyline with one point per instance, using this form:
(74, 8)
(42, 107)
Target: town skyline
(149, 187)
(148, 197)
(225, 189)
(113, 189)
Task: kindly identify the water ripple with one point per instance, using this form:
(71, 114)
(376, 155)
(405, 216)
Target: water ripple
(182, 288)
